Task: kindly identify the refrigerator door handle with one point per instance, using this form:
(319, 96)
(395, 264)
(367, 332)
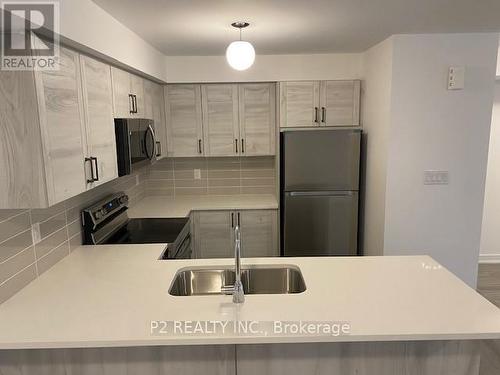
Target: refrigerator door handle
(320, 193)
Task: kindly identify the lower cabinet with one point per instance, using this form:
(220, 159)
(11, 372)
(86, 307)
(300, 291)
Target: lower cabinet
(214, 233)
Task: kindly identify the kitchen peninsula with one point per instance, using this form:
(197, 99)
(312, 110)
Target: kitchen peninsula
(403, 313)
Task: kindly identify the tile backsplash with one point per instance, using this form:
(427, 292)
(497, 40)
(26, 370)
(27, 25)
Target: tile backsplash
(216, 176)
(21, 261)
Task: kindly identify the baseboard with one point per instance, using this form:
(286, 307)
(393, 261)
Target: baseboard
(489, 258)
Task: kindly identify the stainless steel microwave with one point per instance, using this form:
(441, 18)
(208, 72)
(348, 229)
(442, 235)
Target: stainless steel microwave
(135, 144)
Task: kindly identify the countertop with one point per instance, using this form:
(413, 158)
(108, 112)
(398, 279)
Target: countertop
(102, 296)
(154, 207)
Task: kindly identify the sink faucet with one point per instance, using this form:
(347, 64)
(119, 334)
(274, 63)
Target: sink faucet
(237, 288)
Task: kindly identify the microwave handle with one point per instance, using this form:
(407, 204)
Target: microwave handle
(149, 131)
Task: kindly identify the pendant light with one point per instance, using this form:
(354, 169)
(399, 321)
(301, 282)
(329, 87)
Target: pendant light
(240, 55)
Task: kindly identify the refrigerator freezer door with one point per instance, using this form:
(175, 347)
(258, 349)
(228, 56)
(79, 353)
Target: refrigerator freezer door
(320, 223)
(321, 160)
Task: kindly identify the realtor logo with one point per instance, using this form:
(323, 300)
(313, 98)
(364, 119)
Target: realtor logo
(30, 35)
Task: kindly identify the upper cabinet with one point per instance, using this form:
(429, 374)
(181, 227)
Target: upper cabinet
(128, 94)
(58, 132)
(236, 119)
(257, 103)
(62, 128)
(100, 127)
(183, 114)
(319, 103)
(220, 119)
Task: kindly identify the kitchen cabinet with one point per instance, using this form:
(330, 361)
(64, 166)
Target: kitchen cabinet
(42, 144)
(214, 233)
(236, 119)
(221, 132)
(154, 109)
(257, 103)
(213, 237)
(259, 233)
(319, 103)
(100, 127)
(128, 94)
(184, 120)
(58, 132)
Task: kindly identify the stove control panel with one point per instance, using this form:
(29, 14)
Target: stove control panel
(105, 208)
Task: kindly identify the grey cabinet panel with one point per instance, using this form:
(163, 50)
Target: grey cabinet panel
(98, 104)
(213, 234)
(259, 233)
(220, 119)
(299, 104)
(257, 118)
(62, 127)
(184, 120)
(340, 103)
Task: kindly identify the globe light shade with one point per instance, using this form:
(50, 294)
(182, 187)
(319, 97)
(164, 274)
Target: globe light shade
(240, 55)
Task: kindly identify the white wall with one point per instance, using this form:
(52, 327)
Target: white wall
(86, 26)
(266, 68)
(490, 237)
(433, 128)
(376, 119)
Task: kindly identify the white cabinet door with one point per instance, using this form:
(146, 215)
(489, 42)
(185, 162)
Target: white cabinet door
(98, 104)
(220, 119)
(137, 89)
(340, 103)
(184, 120)
(257, 118)
(62, 127)
(121, 93)
(259, 233)
(299, 104)
(149, 94)
(213, 234)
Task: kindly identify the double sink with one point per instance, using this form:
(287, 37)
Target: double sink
(265, 279)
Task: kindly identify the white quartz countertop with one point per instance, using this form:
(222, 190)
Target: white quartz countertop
(154, 207)
(108, 295)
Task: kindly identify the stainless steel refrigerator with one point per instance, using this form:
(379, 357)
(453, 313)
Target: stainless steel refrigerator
(319, 192)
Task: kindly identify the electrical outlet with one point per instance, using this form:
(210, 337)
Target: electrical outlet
(197, 174)
(436, 177)
(136, 180)
(35, 233)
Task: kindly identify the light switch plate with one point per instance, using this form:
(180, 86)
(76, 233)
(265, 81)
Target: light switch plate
(35, 233)
(456, 77)
(197, 174)
(436, 178)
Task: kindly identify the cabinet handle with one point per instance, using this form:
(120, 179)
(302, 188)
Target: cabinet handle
(96, 168)
(316, 119)
(232, 219)
(158, 148)
(242, 146)
(199, 146)
(91, 179)
(323, 114)
(131, 103)
(236, 144)
(239, 222)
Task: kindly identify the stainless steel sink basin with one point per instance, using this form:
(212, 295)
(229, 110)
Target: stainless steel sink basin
(256, 280)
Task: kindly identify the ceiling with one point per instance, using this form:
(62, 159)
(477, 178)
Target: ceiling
(202, 27)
